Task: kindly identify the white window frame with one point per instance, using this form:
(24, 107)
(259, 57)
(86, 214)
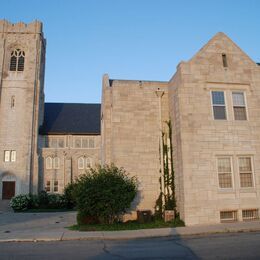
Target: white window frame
(53, 182)
(7, 155)
(56, 163)
(212, 105)
(88, 138)
(83, 163)
(13, 156)
(245, 100)
(88, 163)
(252, 169)
(232, 171)
(48, 166)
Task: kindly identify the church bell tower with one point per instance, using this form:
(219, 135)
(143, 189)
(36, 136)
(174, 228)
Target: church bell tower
(22, 62)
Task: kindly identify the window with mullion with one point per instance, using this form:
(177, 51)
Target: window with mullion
(239, 106)
(219, 107)
(245, 172)
(224, 172)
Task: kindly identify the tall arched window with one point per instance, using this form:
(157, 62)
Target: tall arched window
(81, 163)
(17, 60)
(88, 162)
(56, 163)
(48, 163)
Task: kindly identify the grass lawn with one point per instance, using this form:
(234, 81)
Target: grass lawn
(129, 225)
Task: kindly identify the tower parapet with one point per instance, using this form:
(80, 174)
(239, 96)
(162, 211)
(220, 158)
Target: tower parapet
(20, 27)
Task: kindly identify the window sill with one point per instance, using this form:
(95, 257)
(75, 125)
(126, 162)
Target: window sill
(247, 190)
(226, 190)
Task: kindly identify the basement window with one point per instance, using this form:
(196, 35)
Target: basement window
(228, 216)
(250, 214)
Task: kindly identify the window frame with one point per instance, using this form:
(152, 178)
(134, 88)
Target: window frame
(48, 186)
(245, 101)
(56, 163)
(225, 104)
(83, 160)
(18, 64)
(252, 171)
(46, 164)
(55, 186)
(7, 155)
(89, 162)
(232, 172)
(13, 156)
(89, 140)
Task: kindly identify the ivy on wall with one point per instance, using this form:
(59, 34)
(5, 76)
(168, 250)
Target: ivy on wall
(166, 199)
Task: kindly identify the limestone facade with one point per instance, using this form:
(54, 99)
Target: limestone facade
(212, 103)
(202, 143)
(22, 60)
(59, 165)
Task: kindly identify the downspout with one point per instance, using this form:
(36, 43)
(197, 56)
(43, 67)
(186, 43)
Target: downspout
(159, 94)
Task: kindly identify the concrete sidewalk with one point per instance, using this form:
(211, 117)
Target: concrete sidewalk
(52, 227)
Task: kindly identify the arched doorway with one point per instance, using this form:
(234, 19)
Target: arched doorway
(8, 186)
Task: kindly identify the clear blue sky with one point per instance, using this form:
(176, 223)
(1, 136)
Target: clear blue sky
(128, 39)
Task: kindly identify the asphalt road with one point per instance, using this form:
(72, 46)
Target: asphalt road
(220, 246)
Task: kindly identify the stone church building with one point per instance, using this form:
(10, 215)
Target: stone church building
(212, 104)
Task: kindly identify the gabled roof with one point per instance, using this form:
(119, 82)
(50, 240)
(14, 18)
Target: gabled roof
(71, 118)
(222, 39)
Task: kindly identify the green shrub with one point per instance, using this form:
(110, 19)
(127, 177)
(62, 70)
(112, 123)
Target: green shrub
(20, 202)
(34, 202)
(69, 195)
(104, 193)
(43, 199)
(56, 201)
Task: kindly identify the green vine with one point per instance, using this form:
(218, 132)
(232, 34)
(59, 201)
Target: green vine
(168, 174)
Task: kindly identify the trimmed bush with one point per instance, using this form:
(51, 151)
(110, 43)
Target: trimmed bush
(103, 194)
(41, 201)
(20, 202)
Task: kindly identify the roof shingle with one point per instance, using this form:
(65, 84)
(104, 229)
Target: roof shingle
(71, 118)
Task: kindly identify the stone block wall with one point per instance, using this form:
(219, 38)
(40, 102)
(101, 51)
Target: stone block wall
(202, 139)
(19, 121)
(131, 131)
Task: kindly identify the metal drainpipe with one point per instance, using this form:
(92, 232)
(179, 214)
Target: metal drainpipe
(159, 94)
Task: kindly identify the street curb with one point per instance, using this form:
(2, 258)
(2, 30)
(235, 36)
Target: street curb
(117, 236)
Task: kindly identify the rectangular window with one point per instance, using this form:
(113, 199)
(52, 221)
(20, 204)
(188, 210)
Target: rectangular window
(239, 106)
(48, 186)
(55, 142)
(56, 186)
(224, 172)
(77, 143)
(219, 107)
(250, 214)
(245, 172)
(13, 156)
(84, 142)
(7, 156)
(228, 216)
(91, 143)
